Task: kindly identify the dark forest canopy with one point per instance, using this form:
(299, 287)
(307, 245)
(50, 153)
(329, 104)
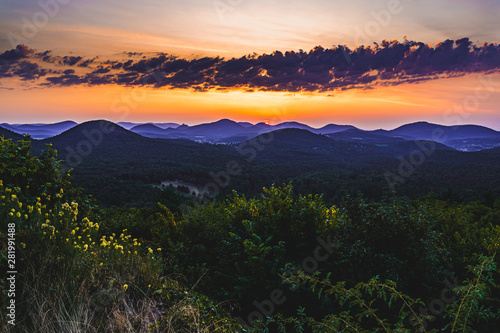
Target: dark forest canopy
(275, 261)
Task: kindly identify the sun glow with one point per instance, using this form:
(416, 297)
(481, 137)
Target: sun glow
(369, 109)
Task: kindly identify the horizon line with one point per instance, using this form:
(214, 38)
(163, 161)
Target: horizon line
(239, 122)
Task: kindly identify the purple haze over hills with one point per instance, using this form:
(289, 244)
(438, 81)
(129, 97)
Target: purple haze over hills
(461, 137)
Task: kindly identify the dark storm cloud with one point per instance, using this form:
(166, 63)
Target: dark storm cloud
(14, 63)
(29, 71)
(66, 60)
(319, 70)
(65, 80)
(70, 60)
(21, 51)
(101, 70)
(87, 63)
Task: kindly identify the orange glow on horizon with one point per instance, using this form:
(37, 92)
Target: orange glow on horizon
(368, 109)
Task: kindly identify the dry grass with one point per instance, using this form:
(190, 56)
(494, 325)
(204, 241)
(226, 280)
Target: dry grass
(56, 310)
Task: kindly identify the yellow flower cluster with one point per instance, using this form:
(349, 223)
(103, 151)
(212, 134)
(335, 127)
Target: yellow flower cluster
(330, 213)
(61, 225)
(122, 244)
(12, 200)
(51, 228)
(253, 209)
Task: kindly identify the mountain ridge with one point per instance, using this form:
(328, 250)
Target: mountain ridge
(8, 134)
(226, 131)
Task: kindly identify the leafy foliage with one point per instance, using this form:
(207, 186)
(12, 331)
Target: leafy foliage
(279, 261)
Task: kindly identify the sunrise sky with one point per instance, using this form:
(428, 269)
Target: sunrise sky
(195, 61)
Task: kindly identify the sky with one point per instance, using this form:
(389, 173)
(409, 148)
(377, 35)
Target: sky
(369, 63)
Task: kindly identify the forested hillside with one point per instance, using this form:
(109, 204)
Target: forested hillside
(119, 167)
(281, 260)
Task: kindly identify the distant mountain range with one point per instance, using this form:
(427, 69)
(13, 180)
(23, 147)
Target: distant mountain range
(104, 155)
(129, 125)
(40, 131)
(225, 131)
(8, 134)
